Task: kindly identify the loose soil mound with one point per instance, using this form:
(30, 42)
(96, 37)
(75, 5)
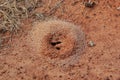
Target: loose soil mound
(59, 42)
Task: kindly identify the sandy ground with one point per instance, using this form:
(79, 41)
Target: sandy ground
(101, 24)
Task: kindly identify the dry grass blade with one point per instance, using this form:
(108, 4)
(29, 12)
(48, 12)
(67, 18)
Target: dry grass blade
(12, 12)
(57, 5)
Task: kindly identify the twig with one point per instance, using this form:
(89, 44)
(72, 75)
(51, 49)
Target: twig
(57, 5)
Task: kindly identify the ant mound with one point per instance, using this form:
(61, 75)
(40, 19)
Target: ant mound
(58, 42)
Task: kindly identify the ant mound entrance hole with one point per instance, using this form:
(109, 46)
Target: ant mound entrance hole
(55, 43)
(58, 42)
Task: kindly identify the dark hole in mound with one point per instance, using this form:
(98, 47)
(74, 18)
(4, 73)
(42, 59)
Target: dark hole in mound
(55, 43)
(58, 48)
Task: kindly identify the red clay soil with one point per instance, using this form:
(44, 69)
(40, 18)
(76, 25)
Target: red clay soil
(101, 24)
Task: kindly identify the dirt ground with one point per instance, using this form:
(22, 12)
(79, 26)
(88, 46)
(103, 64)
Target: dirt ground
(101, 24)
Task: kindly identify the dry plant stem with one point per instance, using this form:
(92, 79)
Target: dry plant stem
(8, 19)
(12, 12)
(57, 5)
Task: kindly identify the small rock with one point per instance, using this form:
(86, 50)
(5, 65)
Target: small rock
(90, 4)
(91, 44)
(118, 8)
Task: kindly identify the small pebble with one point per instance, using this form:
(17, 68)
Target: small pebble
(91, 44)
(118, 8)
